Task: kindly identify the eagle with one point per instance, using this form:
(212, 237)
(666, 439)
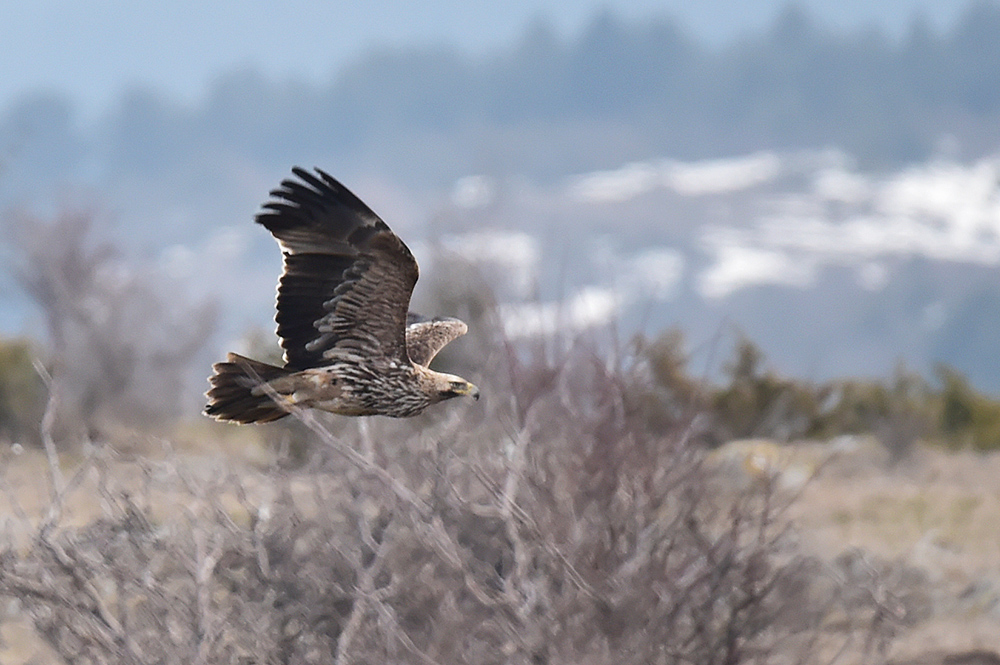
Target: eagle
(351, 345)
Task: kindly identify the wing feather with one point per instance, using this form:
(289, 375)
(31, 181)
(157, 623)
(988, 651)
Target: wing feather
(425, 338)
(368, 311)
(347, 277)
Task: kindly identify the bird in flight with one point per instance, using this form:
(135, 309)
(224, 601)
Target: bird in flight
(351, 345)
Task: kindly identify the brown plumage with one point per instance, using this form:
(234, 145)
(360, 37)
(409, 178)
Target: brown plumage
(351, 345)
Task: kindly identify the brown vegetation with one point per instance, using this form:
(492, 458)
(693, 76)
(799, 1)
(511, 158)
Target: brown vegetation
(575, 515)
(550, 526)
(119, 341)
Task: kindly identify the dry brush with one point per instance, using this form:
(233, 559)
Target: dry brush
(549, 524)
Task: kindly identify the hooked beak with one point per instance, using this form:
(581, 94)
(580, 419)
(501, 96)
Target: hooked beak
(473, 392)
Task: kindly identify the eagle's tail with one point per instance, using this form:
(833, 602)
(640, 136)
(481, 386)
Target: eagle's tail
(233, 397)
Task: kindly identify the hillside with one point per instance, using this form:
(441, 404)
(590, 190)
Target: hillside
(830, 194)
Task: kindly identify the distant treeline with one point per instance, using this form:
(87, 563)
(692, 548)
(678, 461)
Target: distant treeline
(550, 105)
(752, 400)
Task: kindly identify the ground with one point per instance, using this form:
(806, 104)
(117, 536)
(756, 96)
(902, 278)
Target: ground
(935, 515)
(933, 518)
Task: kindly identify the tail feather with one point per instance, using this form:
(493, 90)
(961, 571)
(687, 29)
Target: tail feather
(232, 397)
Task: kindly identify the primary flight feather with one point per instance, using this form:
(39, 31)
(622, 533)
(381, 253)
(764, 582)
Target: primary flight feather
(351, 346)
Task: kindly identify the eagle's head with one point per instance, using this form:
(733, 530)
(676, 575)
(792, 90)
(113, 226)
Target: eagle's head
(460, 388)
(445, 386)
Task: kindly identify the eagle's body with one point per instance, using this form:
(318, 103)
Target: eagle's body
(351, 345)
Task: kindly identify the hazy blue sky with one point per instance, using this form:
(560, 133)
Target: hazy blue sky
(93, 49)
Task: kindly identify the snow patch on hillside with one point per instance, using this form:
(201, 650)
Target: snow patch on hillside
(786, 219)
(942, 211)
(589, 307)
(700, 178)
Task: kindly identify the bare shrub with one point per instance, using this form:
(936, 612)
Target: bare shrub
(547, 524)
(975, 657)
(120, 339)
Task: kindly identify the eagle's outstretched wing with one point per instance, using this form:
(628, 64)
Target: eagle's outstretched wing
(347, 277)
(424, 338)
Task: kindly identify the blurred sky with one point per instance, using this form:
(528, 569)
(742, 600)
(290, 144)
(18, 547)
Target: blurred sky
(93, 49)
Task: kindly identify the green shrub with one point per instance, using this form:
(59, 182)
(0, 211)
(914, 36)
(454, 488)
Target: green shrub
(754, 401)
(758, 402)
(22, 393)
(968, 418)
(668, 396)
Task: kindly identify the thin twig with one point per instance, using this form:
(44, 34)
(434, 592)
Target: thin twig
(48, 422)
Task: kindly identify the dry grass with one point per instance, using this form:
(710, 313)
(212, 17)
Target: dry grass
(937, 514)
(550, 528)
